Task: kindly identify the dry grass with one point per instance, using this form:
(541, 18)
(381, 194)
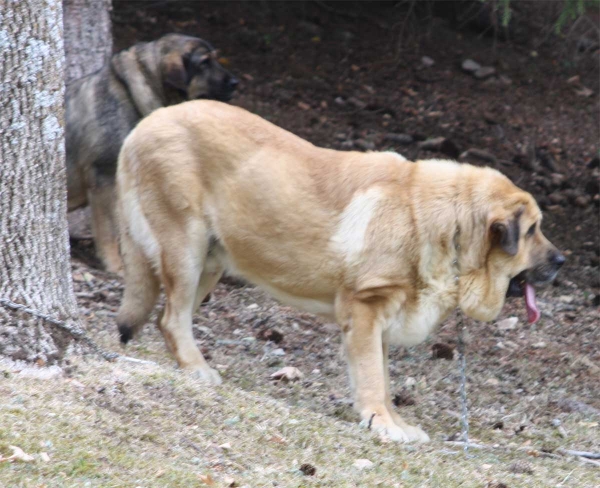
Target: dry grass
(129, 424)
(123, 424)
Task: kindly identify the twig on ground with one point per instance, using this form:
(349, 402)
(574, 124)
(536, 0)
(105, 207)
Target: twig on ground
(589, 461)
(469, 444)
(585, 454)
(566, 478)
(135, 360)
(74, 330)
(587, 457)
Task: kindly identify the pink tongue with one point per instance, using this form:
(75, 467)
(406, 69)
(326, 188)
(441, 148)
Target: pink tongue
(533, 312)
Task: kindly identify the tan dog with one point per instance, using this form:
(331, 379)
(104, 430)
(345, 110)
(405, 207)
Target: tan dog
(386, 247)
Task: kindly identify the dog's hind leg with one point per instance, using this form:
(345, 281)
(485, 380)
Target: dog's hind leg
(186, 283)
(141, 289)
(104, 226)
(208, 279)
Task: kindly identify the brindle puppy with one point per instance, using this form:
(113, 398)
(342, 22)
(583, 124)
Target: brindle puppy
(102, 108)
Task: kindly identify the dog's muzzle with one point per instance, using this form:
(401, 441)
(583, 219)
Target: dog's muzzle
(537, 276)
(525, 282)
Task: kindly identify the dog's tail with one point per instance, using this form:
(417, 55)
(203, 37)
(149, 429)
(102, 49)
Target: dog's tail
(141, 290)
(140, 251)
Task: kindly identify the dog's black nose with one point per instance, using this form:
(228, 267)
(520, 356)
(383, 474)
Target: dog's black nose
(233, 82)
(557, 259)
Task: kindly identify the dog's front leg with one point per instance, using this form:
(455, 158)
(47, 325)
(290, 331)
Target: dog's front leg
(414, 433)
(363, 344)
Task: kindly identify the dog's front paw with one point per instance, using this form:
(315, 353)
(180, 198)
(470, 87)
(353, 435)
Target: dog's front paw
(404, 434)
(386, 427)
(415, 434)
(207, 375)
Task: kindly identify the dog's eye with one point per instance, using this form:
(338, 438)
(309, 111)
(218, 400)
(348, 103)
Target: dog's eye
(531, 230)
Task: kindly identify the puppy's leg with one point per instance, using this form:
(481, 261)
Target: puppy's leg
(364, 350)
(141, 289)
(414, 433)
(181, 267)
(104, 226)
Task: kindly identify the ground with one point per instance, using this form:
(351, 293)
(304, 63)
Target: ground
(339, 79)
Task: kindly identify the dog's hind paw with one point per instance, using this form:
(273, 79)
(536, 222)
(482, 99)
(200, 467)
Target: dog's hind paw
(207, 375)
(125, 334)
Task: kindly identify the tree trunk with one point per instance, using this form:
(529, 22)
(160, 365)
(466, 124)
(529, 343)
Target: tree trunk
(34, 245)
(88, 37)
(88, 47)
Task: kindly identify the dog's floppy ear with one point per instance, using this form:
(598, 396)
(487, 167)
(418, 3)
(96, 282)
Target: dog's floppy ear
(174, 70)
(505, 233)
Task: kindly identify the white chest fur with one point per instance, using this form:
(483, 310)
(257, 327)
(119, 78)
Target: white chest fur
(408, 326)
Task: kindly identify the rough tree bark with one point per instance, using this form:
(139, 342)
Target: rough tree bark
(88, 46)
(88, 39)
(34, 246)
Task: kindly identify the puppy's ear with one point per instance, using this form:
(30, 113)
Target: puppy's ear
(174, 71)
(505, 233)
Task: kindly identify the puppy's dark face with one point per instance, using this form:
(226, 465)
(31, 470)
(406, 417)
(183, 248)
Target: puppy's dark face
(207, 78)
(190, 66)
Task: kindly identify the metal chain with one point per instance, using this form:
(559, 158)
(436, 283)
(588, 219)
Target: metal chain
(464, 418)
(76, 331)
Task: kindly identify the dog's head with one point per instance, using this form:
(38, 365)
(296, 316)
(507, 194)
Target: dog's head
(189, 65)
(517, 256)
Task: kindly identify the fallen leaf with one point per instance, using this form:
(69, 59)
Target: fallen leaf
(272, 335)
(308, 469)
(75, 383)
(18, 455)
(441, 350)
(496, 484)
(230, 482)
(289, 373)
(584, 92)
(277, 439)
(206, 479)
(362, 464)
(507, 324)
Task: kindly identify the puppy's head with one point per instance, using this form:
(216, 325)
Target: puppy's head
(189, 65)
(518, 257)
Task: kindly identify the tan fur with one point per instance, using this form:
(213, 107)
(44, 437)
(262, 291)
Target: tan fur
(366, 239)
